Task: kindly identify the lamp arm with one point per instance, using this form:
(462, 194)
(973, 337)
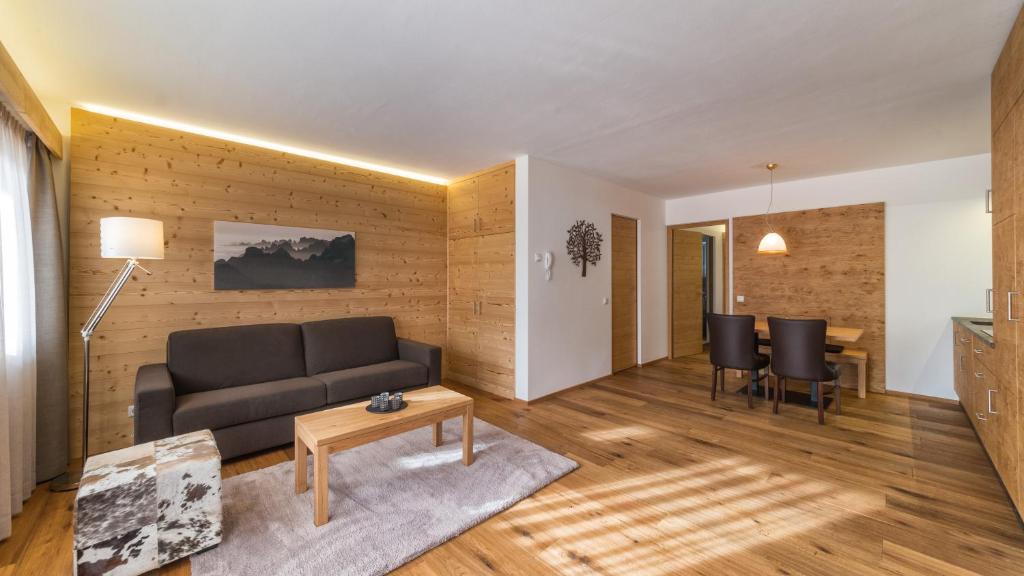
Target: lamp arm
(122, 278)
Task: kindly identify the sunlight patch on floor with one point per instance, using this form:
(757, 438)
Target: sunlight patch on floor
(620, 433)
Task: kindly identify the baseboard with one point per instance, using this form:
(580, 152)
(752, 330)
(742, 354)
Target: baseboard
(921, 397)
(573, 387)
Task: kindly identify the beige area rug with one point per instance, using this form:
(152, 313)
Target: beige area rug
(390, 501)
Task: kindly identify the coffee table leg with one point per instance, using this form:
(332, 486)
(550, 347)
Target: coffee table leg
(467, 436)
(320, 515)
(437, 433)
(301, 484)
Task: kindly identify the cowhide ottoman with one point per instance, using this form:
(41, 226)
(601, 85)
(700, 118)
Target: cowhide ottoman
(145, 506)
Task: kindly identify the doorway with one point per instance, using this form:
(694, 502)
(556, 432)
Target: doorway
(624, 293)
(698, 282)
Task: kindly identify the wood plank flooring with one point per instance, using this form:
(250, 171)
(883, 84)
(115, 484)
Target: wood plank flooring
(673, 483)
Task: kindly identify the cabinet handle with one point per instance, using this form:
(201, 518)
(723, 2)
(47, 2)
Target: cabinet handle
(980, 416)
(1009, 307)
(979, 375)
(963, 340)
(988, 300)
(961, 362)
(990, 410)
(977, 350)
(988, 201)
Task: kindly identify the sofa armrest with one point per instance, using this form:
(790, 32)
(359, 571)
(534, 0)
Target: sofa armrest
(154, 403)
(426, 354)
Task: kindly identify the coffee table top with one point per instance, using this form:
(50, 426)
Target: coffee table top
(346, 422)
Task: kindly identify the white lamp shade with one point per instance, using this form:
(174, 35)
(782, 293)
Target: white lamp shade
(772, 243)
(138, 238)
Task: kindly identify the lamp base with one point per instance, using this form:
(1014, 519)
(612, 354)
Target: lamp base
(67, 481)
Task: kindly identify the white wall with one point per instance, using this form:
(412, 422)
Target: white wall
(938, 250)
(563, 327)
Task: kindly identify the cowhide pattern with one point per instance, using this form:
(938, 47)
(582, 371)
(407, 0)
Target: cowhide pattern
(148, 505)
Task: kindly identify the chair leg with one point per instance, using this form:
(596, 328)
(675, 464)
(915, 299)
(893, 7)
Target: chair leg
(750, 389)
(723, 378)
(783, 390)
(714, 381)
(838, 393)
(775, 401)
(821, 403)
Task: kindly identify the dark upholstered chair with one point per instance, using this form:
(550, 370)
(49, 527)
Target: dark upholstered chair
(734, 347)
(798, 351)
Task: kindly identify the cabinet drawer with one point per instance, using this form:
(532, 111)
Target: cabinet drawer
(982, 353)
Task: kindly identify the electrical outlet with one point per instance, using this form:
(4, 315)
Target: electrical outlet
(131, 410)
(739, 298)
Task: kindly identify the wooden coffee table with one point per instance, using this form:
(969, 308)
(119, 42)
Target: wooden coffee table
(329, 431)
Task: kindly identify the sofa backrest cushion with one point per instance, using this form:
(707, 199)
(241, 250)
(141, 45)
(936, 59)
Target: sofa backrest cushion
(214, 358)
(348, 343)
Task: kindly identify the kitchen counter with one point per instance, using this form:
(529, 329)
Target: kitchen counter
(977, 330)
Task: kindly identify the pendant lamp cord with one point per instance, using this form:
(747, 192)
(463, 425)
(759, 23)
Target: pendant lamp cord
(771, 198)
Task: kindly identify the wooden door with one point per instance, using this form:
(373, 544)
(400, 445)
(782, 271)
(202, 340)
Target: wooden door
(687, 303)
(496, 199)
(1002, 401)
(623, 293)
(463, 347)
(462, 208)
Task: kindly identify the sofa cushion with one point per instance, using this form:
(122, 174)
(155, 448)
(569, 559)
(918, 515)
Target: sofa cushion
(348, 342)
(352, 383)
(229, 406)
(214, 358)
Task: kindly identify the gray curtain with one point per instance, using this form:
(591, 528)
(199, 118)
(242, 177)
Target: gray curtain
(51, 318)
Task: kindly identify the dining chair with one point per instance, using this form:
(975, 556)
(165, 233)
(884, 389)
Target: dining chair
(798, 351)
(734, 347)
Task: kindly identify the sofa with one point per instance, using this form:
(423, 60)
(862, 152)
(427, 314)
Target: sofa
(247, 383)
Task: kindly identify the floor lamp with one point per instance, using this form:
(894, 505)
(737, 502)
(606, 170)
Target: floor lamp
(133, 239)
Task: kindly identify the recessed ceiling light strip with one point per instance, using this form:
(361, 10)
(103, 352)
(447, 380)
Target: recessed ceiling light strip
(174, 125)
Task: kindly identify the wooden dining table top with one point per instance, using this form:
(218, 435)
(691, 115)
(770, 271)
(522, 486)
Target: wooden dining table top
(837, 333)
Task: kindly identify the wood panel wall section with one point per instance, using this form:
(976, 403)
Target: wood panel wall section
(481, 280)
(188, 181)
(835, 270)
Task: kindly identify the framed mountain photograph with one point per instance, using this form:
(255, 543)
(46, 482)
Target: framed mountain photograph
(266, 257)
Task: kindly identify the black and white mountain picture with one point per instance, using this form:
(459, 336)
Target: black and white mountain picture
(266, 257)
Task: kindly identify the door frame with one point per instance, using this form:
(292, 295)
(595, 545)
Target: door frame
(639, 294)
(726, 268)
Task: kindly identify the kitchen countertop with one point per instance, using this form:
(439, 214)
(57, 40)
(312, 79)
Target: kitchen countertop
(967, 322)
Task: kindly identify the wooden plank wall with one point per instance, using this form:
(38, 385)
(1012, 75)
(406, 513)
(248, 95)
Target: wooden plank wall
(188, 181)
(835, 270)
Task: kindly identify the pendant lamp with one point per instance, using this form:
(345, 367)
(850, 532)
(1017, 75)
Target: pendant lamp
(772, 243)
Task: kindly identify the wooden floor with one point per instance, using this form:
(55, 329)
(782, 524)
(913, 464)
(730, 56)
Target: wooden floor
(673, 483)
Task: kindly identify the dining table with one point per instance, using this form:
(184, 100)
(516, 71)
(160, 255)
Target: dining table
(842, 334)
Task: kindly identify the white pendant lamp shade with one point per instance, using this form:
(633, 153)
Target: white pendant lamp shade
(772, 243)
(138, 238)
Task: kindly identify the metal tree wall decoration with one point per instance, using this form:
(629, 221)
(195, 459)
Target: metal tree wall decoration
(584, 244)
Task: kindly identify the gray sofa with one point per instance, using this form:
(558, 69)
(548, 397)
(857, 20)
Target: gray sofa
(247, 383)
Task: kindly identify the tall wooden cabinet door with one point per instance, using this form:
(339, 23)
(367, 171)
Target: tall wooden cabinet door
(624, 293)
(1003, 193)
(463, 307)
(496, 270)
(999, 398)
(462, 208)
(496, 201)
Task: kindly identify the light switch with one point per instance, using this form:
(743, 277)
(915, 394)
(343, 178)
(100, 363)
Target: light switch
(739, 298)
(605, 301)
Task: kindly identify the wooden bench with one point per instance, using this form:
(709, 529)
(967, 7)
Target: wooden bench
(858, 358)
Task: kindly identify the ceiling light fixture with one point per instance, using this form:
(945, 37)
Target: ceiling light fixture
(772, 243)
(173, 125)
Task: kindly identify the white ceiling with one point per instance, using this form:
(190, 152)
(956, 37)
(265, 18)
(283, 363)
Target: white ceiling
(670, 97)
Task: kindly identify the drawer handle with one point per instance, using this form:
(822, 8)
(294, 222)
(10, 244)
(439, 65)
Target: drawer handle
(990, 410)
(963, 340)
(977, 350)
(979, 375)
(980, 416)
(988, 300)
